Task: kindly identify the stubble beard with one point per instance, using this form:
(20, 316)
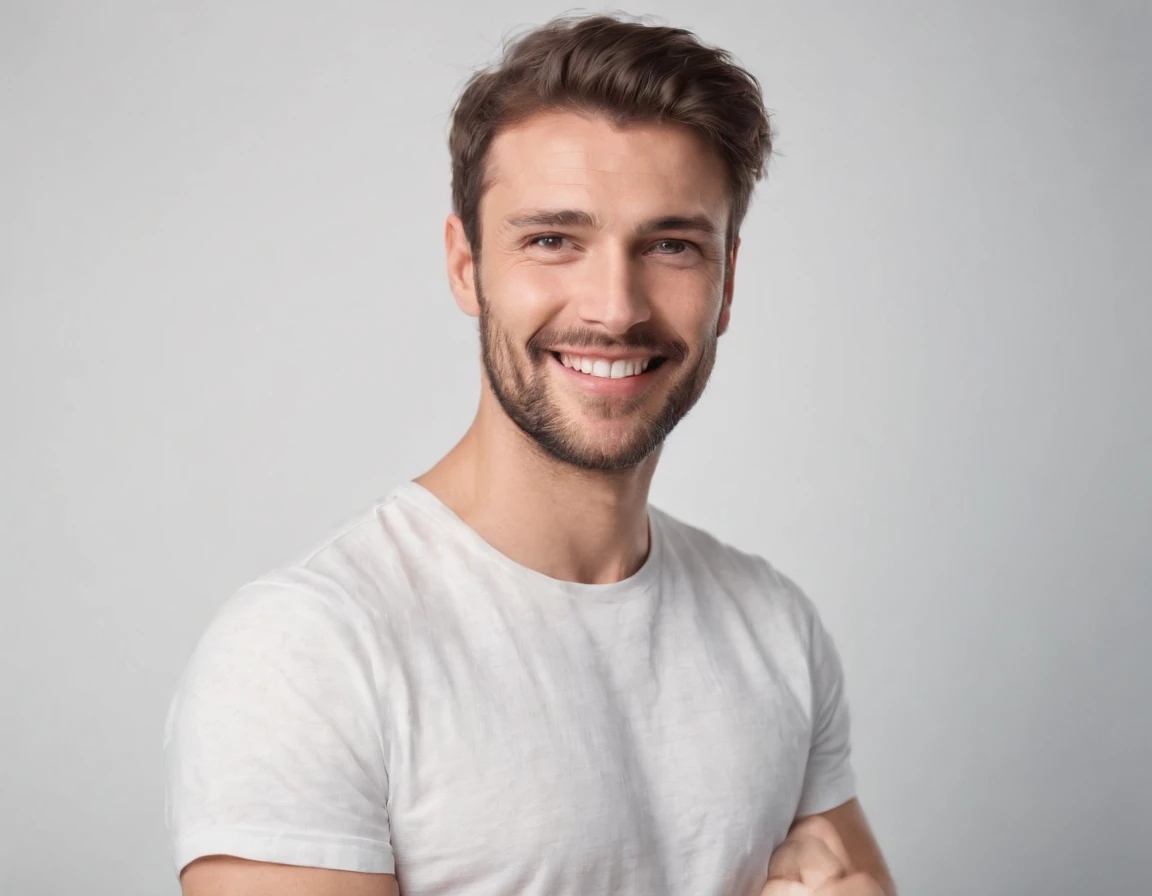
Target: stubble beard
(519, 382)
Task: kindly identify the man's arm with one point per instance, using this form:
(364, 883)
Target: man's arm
(856, 835)
(273, 752)
(230, 876)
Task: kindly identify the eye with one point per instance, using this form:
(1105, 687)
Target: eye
(548, 241)
(671, 247)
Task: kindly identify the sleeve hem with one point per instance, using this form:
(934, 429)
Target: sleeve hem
(834, 793)
(286, 848)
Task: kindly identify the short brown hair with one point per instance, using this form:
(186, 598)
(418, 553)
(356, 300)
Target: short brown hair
(628, 71)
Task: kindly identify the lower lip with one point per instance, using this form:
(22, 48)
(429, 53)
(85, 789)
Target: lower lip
(603, 385)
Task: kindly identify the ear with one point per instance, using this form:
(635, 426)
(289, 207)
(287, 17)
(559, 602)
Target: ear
(729, 288)
(461, 266)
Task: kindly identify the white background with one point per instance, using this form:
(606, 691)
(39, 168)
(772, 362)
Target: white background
(226, 328)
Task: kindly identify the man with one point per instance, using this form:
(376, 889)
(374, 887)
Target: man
(513, 675)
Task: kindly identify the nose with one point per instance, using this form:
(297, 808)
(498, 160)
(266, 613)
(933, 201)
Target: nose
(615, 297)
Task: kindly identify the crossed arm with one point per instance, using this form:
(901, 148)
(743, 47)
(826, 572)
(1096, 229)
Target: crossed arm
(229, 876)
(837, 847)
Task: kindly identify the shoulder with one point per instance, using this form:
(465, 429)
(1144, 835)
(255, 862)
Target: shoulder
(325, 599)
(274, 641)
(297, 638)
(352, 571)
(700, 554)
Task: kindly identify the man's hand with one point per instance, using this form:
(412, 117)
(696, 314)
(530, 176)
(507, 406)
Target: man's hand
(813, 860)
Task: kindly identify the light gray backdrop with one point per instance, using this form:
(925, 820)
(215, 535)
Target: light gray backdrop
(226, 328)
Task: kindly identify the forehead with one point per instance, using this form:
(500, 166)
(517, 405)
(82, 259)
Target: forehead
(565, 159)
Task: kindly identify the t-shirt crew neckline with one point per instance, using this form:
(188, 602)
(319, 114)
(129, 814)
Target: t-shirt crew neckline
(638, 583)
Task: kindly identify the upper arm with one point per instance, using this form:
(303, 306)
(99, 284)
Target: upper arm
(856, 835)
(229, 876)
(274, 749)
(829, 777)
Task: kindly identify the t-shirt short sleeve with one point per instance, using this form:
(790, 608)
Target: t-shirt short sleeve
(273, 748)
(829, 780)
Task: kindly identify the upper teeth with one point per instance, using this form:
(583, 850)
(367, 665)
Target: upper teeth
(604, 368)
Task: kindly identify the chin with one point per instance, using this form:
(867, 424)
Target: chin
(621, 450)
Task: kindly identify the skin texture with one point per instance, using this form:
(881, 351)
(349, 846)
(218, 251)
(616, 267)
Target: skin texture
(553, 472)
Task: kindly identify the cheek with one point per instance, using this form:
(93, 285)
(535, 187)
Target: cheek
(531, 291)
(527, 282)
(688, 302)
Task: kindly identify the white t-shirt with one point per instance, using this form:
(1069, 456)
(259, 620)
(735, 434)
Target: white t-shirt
(406, 699)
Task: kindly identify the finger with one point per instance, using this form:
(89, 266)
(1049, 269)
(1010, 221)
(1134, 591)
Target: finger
(823, 830)
(858, 884)
(806, 860)
(785, 888)
(785, 862)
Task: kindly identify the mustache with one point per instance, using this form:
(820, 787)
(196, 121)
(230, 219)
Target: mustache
(650, 343)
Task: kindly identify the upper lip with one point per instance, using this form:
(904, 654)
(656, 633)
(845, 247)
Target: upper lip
(608, 354)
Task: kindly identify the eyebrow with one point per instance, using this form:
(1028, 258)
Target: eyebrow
(563, 217)
(570, 217)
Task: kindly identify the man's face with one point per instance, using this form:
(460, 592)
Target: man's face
(600, 284)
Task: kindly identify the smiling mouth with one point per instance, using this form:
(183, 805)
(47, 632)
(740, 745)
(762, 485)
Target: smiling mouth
(603, 368)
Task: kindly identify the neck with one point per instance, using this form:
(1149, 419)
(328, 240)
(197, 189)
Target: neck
(566, 523)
